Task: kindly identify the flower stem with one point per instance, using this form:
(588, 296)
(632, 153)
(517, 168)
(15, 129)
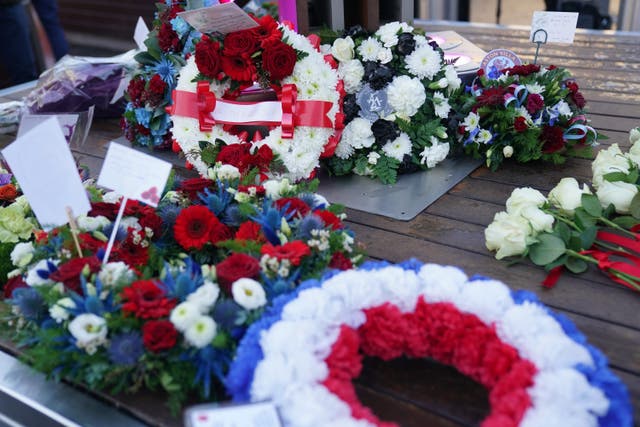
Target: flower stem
(616, 226)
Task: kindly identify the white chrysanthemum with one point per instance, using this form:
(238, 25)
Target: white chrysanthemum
(351, 73)
(535, 88)
(89, 330)
(205, 296)
(385, 56)
(441, 105)
(22, 254)
(369, 49)
(399, 147)
(452, 77)
(344, 149)
(563, 109)
(406, 95)
(201, 332)
(92, 223)
(471, 122)
(388, 33)
(60, 310)
(248, 293)
(358, 133)
(113, 273)
(35, 273)
(483, 137)
(424, 62)
(184, 315)
(433, 155)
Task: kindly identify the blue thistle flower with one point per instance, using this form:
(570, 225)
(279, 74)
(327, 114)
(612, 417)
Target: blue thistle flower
(125, 349)
(184, 282)
(30, 303)
(216, 202)
(307, 225)
(270, 219)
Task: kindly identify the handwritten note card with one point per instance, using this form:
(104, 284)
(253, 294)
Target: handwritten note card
(223, 18)
(141, 33)
(44, 167)
(133, 174)
(254, 415)
(67, 123)
(560, 26)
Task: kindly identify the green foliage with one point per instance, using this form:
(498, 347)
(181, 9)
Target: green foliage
(547, 249)
(386, 169)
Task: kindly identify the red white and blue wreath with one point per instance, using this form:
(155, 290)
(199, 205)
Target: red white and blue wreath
(304, 123)
(539, 370)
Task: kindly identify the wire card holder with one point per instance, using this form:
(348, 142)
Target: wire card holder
(539, 41)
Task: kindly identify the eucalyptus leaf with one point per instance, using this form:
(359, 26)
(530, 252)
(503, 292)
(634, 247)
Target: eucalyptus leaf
(575, 243)
(588, 236)
(563, 231)
(548, 249)
(626, 221)
(634, 208)
(583, 219)
(591, 205)
(576, 265)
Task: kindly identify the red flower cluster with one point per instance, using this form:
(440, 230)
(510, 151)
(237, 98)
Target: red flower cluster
(520, 124)
(552, 138)
(521, 70)
(235, 267)
(534, 103)
(168, 39)
(294, 206)
(145, 299)
(340, 261)
(208, 57)
(135, 90)
(239, 155)
(292, 251)
(576, 95)
(197, 225)
(491, 96)
(444, 333)
(69, 272)
(159, 335)
(155, 91)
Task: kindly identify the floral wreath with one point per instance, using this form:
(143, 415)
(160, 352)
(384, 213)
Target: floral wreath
(303, 124)
(539, 370)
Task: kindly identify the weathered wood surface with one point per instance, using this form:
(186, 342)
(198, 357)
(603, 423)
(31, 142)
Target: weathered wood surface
(450, 231)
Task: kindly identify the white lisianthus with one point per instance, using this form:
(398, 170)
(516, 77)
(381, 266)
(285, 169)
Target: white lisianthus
(369, 49)
(538, 220)
(385, 56)
(201, 332)
(342, 49)
(424, 62)
(507, 151)
(60, 310)
(567, 195)
(205, 296)
(433, 155)
(406, 95)
(507, 234)
(184, 315)
(610, 160)
(373, 157)
(22, 254)
(351, 73)
(441, 105)
(523, 198)
(452, 77)
(248, 293)
(471, 122)
(276, 188)
(91, 223)
(89, 330)
(36, 273)
(398, 148)
(113, 273)
(617, 193)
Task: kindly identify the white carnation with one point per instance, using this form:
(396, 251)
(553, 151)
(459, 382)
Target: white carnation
(563, 109)
(373, 157)
(424, 62)
(22, 254)
(406, 95)
(399, 147)
(388, 33)
(385, 56)
(351, 73)
(441, 105)
(434, 154)
(358, 133)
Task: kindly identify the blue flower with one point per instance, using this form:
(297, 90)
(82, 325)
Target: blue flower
(91, 301)
(30, 303)
(216, 202)
(143, 116)
(209, 362)
(307, 225)
(494, 73)
(270, 219)
(226, 313)
(126, 349)
(184, 282)
(180, 26)
(166, 69)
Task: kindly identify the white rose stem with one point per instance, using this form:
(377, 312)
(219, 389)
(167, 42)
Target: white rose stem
(114, 232)
(74, 229)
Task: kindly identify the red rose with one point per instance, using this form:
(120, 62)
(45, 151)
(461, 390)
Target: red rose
(330, 219)
(239, 68)
(235, 267)
(131, 253)
(69, 272)
(194, 186)
(109, 210)
(208, 57)
(491, 96)
(219, 232)
(159, 335)
(552, 139)
(235, 155)
(278, 59)
(292, 251)
(193, 226)
(534, 103)
(168, 39)
(13, 284)
(145, 299)
(267, 31)
(520, 124)
(293, 205)
(249, 230)
(240, 42)
(340, 262)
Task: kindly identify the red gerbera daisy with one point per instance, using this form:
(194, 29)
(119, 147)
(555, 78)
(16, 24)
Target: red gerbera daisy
(193, 227)
(293, 251)
(239, 68)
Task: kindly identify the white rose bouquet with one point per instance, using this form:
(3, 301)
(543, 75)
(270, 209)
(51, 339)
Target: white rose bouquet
(573, 227)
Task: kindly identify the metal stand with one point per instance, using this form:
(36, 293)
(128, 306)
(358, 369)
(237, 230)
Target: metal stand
(539, 42)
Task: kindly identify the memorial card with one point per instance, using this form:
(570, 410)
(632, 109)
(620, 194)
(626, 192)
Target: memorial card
(263, 414)
(560, 27)
(222, 18)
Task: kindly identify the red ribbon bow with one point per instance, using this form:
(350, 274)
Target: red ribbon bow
(289, 97)
(206, 104)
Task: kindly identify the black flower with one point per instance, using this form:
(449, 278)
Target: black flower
(406, 43)
(377, 75)
(350, 108)
(355, 31)
(384, 131)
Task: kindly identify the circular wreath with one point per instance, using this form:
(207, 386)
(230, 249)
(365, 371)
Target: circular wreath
(538, 368)
(277, 58)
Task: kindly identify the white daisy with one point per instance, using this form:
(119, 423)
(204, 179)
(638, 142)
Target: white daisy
(399, 147)
(424, 62)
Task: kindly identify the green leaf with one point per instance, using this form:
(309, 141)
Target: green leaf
(145, 58)
(583, 219)
(575, 242)
(615, 176)
(576, 265)
(548, 249)
(591, 205)
(635, 206)
(588, 236)
(563, 231)
(209, 154)
(626, 221)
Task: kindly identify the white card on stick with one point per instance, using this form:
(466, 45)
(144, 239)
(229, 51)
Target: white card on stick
(133, 174)
(263, 414)
(67, 123)
(141, 33)
(42, 163)
(222, 18)
(560, 26)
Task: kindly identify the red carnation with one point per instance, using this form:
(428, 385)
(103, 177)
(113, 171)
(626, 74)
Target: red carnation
(208, 57)
(267, 31)
(69, 272)
(240, 42)
(552, 139)
(520, 124)
(135, 90)
(157, 85)
(572, 86)
(383, 333)
(340, 262)
(168, 39)
(278, 59)
(344, 361)
(194, 186)
(578, 99)
(193, 226)
(131, 253)
(250, 230)
(292, 251)
(534, 103)
(219, 232)
(294, 206)
(330, 219)
(521, 70)
(235, 267)
(262, 158)
(13, 284)
(239, 67)
(159, 335)
(145, 299)
(491, 96)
